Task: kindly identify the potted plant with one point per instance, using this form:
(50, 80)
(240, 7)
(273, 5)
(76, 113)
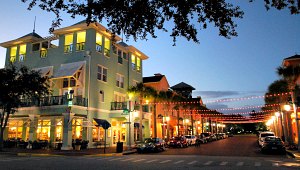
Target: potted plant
(78, 143)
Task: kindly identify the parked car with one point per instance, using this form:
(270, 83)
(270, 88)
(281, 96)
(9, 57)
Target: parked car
(213, 137)
(151, 145)
(205, 137)
(191, 139)
(180, 141)
(273, 144)
(263, 135)
(219, 136)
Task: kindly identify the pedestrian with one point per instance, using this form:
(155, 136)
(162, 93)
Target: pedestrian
(197, 144)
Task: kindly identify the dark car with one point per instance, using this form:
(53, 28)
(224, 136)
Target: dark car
(180, 141)
(273, 144)
(151, 145)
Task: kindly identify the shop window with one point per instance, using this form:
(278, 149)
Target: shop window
(13, 54)
(99, 42)
(77, 129)
(68, 43)
(15, 129)
(58, 130)
(80, 43)
(22, 52)
(43, 130)
(107, 47)
(98, 133)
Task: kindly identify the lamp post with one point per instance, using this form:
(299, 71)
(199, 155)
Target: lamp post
(88, 54)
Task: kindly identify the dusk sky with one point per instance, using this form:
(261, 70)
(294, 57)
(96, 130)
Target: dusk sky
(217, 67)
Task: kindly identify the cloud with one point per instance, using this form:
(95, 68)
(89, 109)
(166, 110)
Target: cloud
(215, 94)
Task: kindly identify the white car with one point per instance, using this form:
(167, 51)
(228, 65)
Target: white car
(191, 139)
(262, 136)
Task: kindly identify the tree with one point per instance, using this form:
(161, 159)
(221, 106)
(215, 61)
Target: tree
(142, 92)
(140, 18)
(16, 84)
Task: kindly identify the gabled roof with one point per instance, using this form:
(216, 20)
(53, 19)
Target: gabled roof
(182, 85)
(152, 79)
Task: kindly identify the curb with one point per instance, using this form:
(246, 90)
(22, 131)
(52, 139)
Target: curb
(291, 154)
(36, 155)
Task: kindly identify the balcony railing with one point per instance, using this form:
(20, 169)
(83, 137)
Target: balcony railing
(68, 48)
(53, 100)
(118, 105)
(80, 46)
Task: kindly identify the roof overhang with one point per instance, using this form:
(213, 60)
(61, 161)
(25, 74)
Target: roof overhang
(137, 52)
(45, 71)
(68, 70)
(20, 41)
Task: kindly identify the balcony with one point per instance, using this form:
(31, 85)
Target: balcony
(52, 101)
(118, 105)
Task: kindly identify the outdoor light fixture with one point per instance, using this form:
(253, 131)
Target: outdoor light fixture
(287, 107)
(277, 114)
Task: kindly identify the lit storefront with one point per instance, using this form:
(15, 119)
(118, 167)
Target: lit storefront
(16, 129)
(77, 128)
(43, 129)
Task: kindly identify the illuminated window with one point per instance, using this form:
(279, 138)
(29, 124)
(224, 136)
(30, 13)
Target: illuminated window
(80, 41)
(77, 128)
(107, 47)
(15, 128)
(98, 133)
(99, 42)
(71, 81)
(102, 73)
(59, 130)
(138, 64)
(68, 43)
(120, 80)
(13, 54)
(133, 62)
(22, 52)
(43, 130)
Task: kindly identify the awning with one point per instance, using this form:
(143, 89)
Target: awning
(45, 71)
(68, 70)
(102, 123)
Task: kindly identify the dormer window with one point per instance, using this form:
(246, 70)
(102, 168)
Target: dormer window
(80, 45)
(99, 43)
(22, 52)
(13, 54)
(68, 48)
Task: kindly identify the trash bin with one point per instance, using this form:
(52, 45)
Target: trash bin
(119, 147)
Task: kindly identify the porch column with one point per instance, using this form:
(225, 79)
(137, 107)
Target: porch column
(67, 136)
(89, 132)
(33, 127)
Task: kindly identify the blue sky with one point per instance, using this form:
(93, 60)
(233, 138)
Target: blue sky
(237, 67)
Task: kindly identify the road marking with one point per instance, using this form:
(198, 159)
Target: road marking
(151, 161)
(223, 163)
(192, 162)
(165, 161)
(275, 164)
(208, 163)
(127, 159)
(257, 164)
(115, 159)
(139, 160)
(178, 162)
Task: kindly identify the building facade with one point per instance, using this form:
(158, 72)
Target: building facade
(90, 71)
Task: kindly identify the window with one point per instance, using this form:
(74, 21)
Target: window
(102, 73)
(133, 61)
(120, 80)
(22, 52)
(138, 64)
(77, 128)
(107, 47)
(120, 60)
(13, 54)
(80, 41)
(15, 129)
(119, 97)
(125, 55)
(99, 42)
(43, 129)
(71, 81)
(101, 96)
(36, 47)
(115, 49)
(43, 51)
(68, 43)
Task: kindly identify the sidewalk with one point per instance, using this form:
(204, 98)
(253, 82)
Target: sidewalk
(109, 151)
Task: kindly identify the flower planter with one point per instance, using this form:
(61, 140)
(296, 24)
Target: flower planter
(77, 147)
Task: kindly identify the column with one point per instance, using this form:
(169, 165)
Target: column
(67, 129)
(33, 127)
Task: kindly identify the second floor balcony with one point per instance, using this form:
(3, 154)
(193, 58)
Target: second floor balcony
(53, 100)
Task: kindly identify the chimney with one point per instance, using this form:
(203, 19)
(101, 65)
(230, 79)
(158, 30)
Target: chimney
(157, 74)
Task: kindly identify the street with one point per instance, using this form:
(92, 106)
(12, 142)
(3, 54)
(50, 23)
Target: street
(232, 153)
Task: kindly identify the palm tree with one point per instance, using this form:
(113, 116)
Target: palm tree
(142, 92)
(291, 75)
